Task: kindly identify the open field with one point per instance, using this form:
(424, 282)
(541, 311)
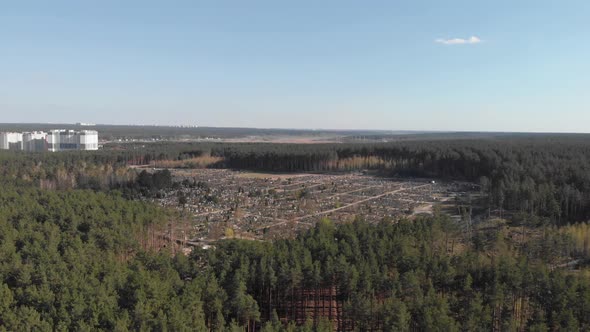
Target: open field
(224, 203)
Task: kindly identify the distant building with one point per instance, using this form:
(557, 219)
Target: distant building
(62, 140)
(88, 140)
(55, 140)
(11, 141)
(35, 141)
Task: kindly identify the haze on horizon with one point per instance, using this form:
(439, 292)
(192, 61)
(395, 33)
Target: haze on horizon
(390, 65)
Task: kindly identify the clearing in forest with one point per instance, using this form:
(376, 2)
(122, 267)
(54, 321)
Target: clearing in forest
(225, 203)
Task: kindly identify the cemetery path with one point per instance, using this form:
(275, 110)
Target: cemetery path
(360, 201)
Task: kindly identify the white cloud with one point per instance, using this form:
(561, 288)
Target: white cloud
(459, 41)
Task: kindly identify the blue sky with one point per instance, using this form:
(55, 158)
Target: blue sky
(400, 65)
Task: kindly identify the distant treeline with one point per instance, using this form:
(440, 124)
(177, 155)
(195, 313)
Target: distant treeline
(112, 132)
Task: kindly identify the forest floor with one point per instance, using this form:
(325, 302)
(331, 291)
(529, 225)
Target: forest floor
(222, 203)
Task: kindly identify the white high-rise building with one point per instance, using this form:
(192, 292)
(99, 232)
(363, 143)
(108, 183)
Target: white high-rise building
(55, 140)
(11, 141)
(88, 140)
(60, 140)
